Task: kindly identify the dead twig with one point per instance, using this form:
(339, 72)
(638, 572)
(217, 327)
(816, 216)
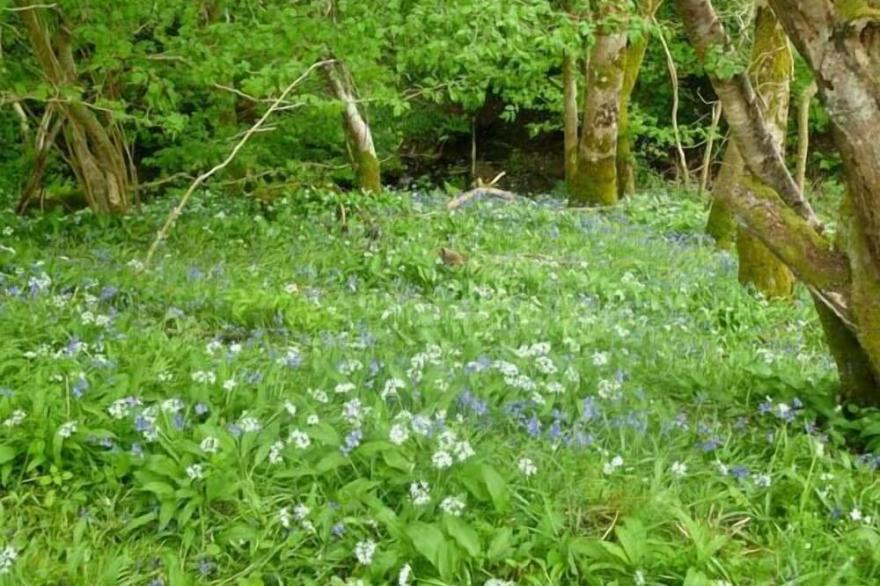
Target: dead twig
(178, 209)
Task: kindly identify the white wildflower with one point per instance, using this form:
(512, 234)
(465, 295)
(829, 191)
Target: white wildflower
(195, 472)
(398, 434)
(319, 395)
(600, 358)
(290, 408)
(763, 480)
(313, 420)
(678, 469)
(299, 439)
(420, 493)
(230, 383)
(15, 419)
(275, 456)
(284, 517)
(613, 465)
(364, 551)
(344, 388)
(67, 429)
(463, 451)
(441, 460)
(452, 506)
(405, 575)
(210, 445)
(8, 555)
(201, 376)
(527, 467)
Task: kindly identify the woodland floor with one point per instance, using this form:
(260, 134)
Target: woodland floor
(591, 399)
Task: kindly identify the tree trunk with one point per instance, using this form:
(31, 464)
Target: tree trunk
(635, 56)
(770, 70)
(570, 116)
(96, 148)
(722, 225)
(804, 133)
(362, 152)
(595, 181)
(840, 43)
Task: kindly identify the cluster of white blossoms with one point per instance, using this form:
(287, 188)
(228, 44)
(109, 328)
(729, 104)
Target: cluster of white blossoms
(527, 467)
(420, 493)
(364, 551)
(452, 506)
(678, 469)
(612, 466)
(8, 555)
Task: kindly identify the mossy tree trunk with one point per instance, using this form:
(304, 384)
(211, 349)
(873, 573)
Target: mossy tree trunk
(770, 69)
(722, 225)
(570, 116)
(95, 146)
(840, 44)
(635, 56)
(359, 138)
(595, 180)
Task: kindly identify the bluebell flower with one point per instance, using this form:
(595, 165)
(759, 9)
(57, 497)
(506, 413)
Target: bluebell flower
(338, 530)
(79, 387)
(201, 409)
(352, 441)
(533, 426)
(6, 392)
(178, 421)
(234, 429)
(206, 566)
(108, 293)
(739, 472)
(137, 450)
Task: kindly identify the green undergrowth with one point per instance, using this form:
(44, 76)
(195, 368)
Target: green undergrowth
(280, 399)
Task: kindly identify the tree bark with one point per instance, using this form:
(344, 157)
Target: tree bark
(840, 44)
(635, 56)
(362, 152)
(595, 181)
(770, 70)
(96, 147)
(570, 116)
(804, 134)
(722, 225)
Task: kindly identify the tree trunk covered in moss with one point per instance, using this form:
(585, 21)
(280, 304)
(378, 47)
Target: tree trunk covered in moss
(635, 56)
(770, 69)
(841, 45)
(595, 181)
(721, 224)
(95, 146)
(570, 116)
(359, 138)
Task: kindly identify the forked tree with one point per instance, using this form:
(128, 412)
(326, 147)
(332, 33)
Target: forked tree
(840, 41)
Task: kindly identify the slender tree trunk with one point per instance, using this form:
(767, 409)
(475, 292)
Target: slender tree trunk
(595, 180)
(771, 69)
(570, 116)
(722, 225)
(635, 56)
(804, 133)
(706, 167)
(96, 148)
(362, 152)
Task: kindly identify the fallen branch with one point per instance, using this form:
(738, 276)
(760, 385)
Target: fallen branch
(480, 192)
(178, 209)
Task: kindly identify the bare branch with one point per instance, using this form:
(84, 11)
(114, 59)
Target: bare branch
(178, 209)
